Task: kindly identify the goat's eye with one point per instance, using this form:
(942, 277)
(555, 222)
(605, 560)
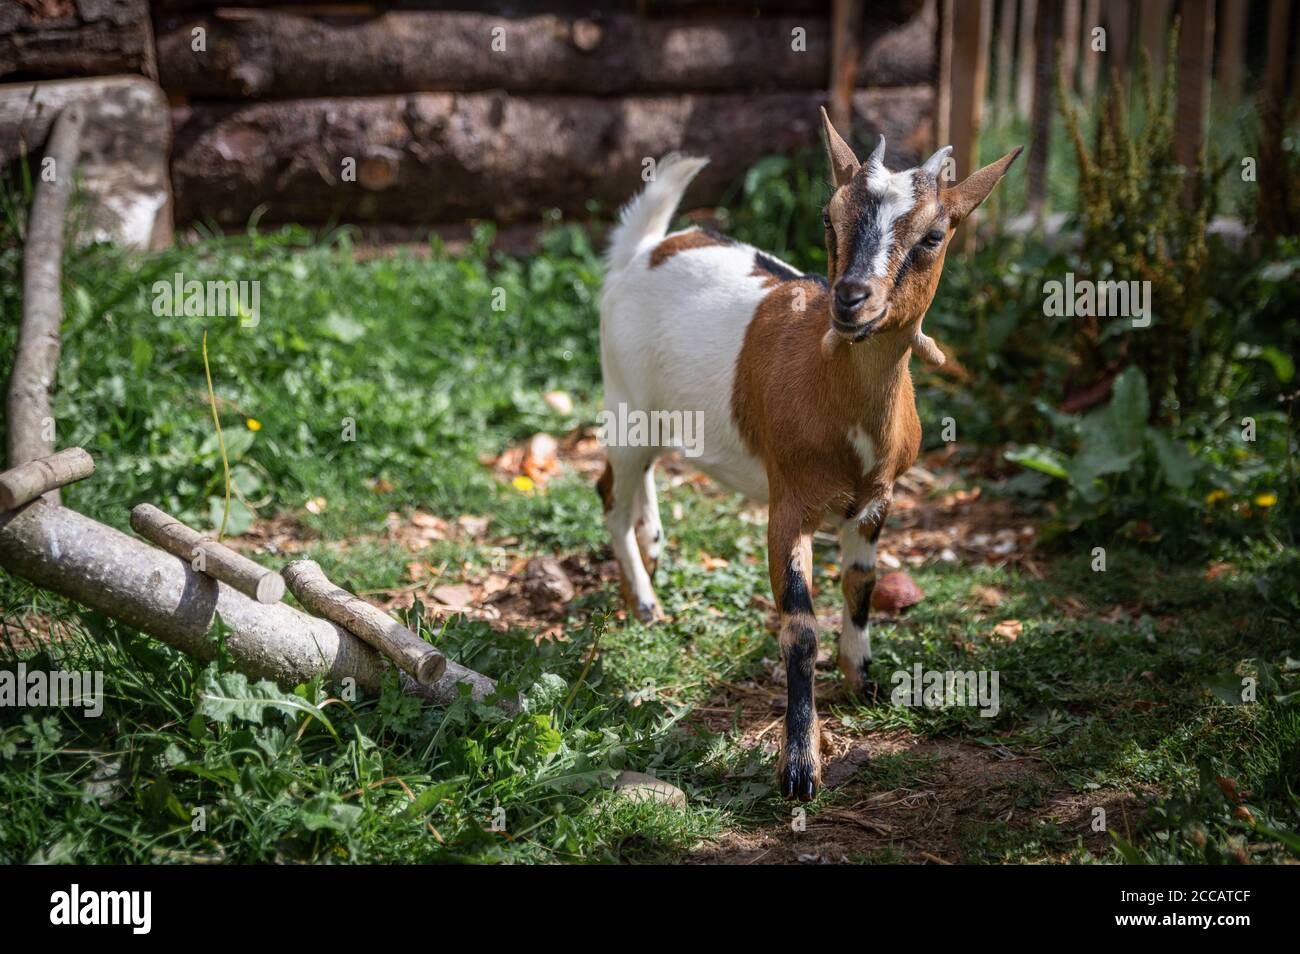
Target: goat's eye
(826, 219)
(933, 238)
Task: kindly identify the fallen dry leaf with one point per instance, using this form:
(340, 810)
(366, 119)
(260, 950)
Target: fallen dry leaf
(1009, 629)
(455, 595)
(1216, 570)
(712, 563)
(989, 596)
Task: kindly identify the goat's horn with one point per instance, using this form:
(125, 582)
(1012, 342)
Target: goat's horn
(934, 165)
(926, 349)
(877, 157)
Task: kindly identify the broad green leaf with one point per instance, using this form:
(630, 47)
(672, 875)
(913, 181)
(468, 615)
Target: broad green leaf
(1176, 461)
(226, 696)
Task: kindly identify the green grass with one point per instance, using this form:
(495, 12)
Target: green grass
(412, 351)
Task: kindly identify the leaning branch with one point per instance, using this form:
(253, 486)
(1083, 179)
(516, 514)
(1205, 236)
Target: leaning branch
(207, 556)
(314, 591)
(29, 421)
(28, 481)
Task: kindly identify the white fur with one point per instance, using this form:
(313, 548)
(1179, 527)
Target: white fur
(897, 197)
(864, 447)
(670, 337)
(855, 643)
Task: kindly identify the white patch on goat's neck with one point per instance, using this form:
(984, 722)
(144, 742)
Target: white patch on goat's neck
(895, 195)
(864, 446)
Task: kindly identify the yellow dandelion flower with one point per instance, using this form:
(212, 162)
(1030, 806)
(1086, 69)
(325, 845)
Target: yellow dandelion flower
(1265, 500)
(253, 424)
(522, 484)
(1214, 496)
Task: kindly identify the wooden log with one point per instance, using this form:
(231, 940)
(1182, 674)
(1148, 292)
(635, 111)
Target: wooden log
(272, 54)
(318, 595)
(29, 421)
(1195, 54)
(450, 157)
(207, 556)
(42, 475)
(86, 38)
(162, 596)
(123, 168)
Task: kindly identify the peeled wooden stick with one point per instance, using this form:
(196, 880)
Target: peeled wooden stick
(37, 477)
(207, 556)
(318, 595)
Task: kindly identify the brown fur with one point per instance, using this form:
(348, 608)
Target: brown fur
(798, 399)
(685, 241)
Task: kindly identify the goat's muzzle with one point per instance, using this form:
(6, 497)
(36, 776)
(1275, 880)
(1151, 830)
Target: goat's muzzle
(858, 307)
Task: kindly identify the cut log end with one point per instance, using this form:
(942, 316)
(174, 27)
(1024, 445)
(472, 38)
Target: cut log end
(270, 588)
(431, 667)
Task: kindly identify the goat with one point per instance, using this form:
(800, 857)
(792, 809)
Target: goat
(800, 383)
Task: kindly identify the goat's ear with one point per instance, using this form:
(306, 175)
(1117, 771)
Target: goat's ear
(843, 162)
(965, 197)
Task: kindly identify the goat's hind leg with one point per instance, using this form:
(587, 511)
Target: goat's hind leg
(858, 580)
(621, 487)
(649, 529)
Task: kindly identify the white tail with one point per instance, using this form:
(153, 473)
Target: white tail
(644, 220)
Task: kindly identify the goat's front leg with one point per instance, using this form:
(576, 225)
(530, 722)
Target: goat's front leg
(789, 558)
(858, 579)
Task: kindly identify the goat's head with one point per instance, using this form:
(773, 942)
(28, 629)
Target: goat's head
(886, 236)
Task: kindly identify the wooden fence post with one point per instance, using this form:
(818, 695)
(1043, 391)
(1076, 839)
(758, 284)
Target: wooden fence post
(1195, 54)
(972, 24)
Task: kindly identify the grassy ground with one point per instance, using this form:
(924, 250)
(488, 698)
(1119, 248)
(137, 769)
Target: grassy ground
(1112, 691)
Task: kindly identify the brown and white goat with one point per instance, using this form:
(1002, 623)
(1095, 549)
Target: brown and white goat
(800, 384)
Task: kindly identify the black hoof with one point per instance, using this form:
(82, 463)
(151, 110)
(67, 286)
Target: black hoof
(799, 778)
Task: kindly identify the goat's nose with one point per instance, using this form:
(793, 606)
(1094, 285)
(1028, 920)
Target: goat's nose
(850, 292)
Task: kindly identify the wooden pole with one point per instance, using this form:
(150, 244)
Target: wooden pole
(972, 23)
(1089, 59)
(1232, 49)
(846, 52)
(1006, 53)
(318, 595)
(28, 481)
(29, 420)
(207, 556)
(1025, 59)
(1155, 18)
(1195, 53)
(1070, 16)
(1049, 13)
(1273, 185)
(162, 596)
(1119, 38)
(943, 82)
